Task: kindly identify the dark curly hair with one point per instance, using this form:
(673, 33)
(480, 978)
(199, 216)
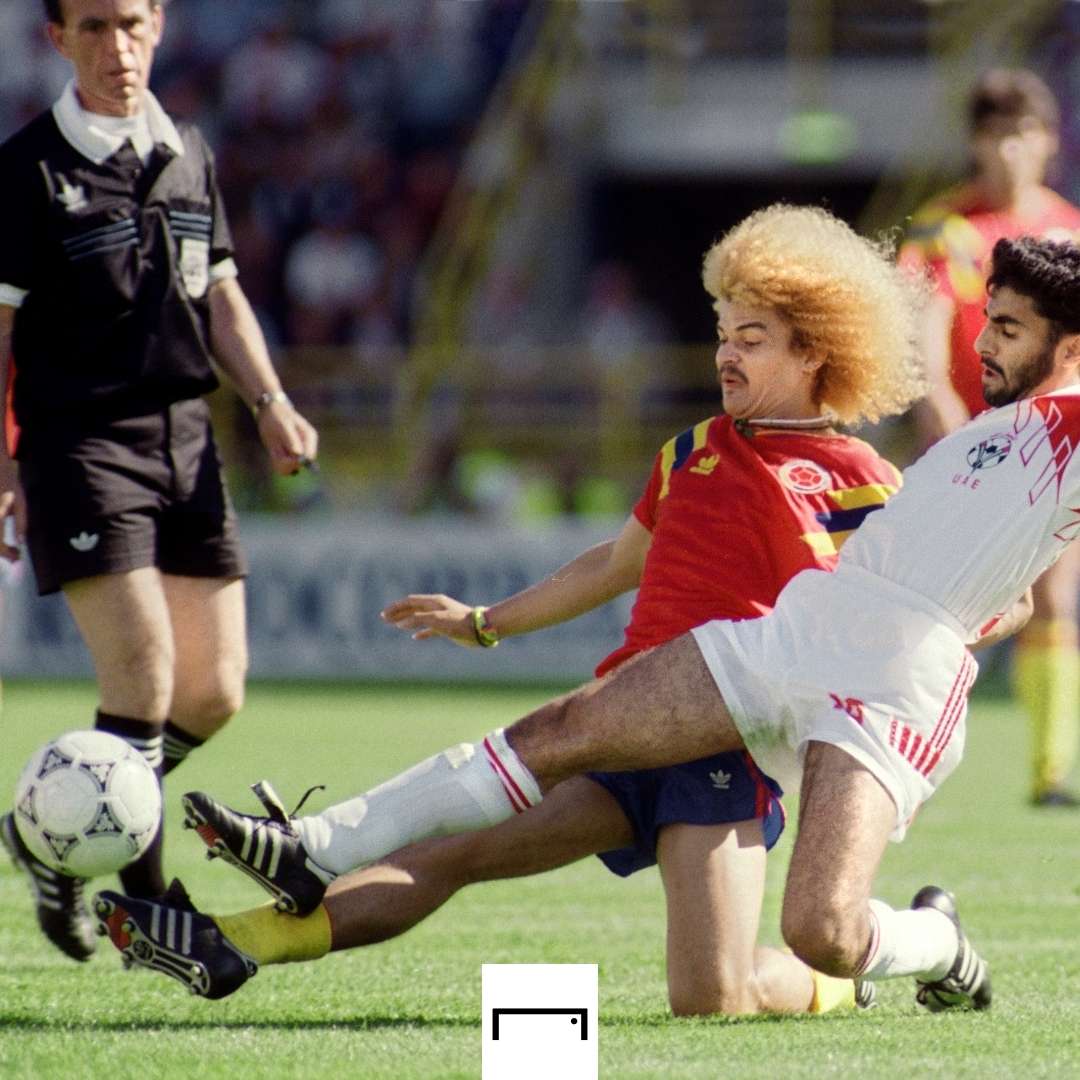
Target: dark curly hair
(1047, 271)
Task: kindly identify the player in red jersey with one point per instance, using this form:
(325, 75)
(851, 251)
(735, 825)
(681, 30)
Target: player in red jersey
(733, 509)
(1014, 124)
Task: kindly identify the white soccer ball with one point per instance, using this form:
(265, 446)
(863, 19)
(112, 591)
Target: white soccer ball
(87, 804)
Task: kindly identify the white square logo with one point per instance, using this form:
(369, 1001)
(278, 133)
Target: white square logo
(195, 266)
(540, 1021)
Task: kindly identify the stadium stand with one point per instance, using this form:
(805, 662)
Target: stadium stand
(429, 200)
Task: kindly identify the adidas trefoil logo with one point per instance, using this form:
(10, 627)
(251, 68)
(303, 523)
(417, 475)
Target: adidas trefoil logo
(720, 780)
(704, 466)
(71, 197)
(85, 541)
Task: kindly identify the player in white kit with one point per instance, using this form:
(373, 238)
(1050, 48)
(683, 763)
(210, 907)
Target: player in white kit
(859, 678)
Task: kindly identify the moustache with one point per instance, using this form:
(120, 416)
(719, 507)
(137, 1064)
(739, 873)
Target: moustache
(730, 371)
(992, 366)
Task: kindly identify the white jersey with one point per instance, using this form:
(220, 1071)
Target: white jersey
(872, 658)
(982, 513)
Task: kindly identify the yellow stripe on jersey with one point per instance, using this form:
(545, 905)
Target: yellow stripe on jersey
(826, 543)
(841, 524)
(700, 433)
(866, 495)
(667, 459)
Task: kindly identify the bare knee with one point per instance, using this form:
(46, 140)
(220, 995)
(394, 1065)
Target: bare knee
(205, 708)
(550, 740)
(828, 938)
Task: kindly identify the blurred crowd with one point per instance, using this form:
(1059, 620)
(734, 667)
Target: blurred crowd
(338, 127)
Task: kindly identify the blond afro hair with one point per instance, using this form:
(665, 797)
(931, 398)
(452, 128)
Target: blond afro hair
(847, 302)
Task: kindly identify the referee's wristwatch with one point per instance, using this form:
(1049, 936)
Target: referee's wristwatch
(269, 397)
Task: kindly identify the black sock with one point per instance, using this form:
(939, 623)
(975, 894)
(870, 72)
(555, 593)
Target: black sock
(176, 745)
(144, 877)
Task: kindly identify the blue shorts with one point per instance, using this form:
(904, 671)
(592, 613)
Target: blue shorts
(715, 790)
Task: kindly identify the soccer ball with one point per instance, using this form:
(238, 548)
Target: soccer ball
(87, 804)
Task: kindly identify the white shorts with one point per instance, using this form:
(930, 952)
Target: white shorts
(853, 660)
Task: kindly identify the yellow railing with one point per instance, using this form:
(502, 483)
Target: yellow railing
(512, 134)
(540, 408)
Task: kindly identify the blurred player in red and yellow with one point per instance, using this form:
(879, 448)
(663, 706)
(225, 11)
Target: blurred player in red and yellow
(815, 326)
(1014, 122)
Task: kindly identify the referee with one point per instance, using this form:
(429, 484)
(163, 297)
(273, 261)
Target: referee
(117, 290)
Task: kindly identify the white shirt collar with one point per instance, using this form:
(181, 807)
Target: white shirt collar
(78, 127)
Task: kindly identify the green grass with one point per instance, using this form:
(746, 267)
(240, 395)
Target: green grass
(411, 1008)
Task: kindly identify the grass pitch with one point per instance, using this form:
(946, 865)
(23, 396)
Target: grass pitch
(411, 1008)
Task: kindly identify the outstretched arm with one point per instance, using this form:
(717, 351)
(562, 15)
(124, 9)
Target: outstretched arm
(597, 575)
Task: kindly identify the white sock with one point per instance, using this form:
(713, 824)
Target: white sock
(922, 943)
(464, 788)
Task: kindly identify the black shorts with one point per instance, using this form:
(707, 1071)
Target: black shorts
(142, 491)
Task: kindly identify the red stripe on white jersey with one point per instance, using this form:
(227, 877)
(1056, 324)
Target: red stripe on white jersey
(916, 745)
(966, 678)
(517, 797)
(953, 712)
(921, 761)
(955, 694)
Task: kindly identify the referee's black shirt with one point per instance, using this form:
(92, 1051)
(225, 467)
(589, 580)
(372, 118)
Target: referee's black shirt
(114, 259)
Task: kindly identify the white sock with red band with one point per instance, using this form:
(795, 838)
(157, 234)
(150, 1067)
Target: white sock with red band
(464, 788)
(922, 942)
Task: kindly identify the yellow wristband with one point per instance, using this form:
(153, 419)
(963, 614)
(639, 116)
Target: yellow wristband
(486, 636)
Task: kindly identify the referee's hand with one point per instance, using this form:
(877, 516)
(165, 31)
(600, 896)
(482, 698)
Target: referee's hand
(291, 442)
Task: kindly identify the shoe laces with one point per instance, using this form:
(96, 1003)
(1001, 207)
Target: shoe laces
(275, 808)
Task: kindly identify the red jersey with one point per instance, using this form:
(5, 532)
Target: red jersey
(734, 517)
(952, 236)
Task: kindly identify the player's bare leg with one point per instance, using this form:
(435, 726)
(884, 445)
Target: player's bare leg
(845, 818)
(170, 657)
(208, 627)
(829, 918)
(714, 878)
(577, 819)
(714, 882)
(660, 708)
(214, 956)
(124, 620)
